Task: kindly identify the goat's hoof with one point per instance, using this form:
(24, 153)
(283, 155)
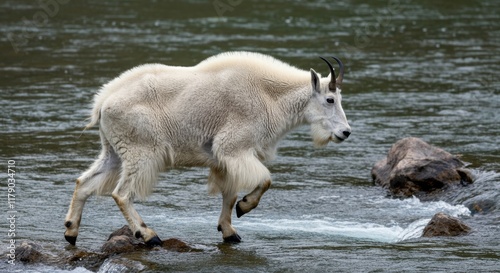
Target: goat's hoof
(239, 211)
(70, 239)
(235, 238)
(155, 241)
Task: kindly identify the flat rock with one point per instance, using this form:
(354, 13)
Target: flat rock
(413, 166)
(107, 260)
(444, 225)
(177, 245)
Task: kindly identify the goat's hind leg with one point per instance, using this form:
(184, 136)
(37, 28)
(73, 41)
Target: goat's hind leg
(102, 175)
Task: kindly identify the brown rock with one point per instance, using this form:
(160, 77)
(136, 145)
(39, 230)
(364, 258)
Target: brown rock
(89, 260)
(413, 166)
(123, 240)
(119, 244)
(125, 230)
(174, 244)
(120, 241)
(445, 225)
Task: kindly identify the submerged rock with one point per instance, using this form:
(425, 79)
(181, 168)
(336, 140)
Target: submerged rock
(478, 205)
(413, 166)
(121, 265)
(444, 225)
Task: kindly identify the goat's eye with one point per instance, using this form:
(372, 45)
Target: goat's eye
(330, 100)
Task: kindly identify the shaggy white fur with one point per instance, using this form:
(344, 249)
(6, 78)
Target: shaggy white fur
(226, 113)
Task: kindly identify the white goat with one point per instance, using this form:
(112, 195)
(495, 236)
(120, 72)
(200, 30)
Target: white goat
(226, 113)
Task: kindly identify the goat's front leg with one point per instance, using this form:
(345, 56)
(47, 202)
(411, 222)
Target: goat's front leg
(124, 199)
(228, 232)
(251, 200)
(135, 221)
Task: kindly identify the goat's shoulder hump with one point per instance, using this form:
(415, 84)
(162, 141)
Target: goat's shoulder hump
(245, 59)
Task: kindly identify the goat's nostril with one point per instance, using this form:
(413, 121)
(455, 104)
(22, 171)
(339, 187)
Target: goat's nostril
(346, 133)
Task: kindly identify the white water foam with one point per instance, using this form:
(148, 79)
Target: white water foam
(481, 176)
(405, 219)
(391, 232)
(414, 207)
(325, 227)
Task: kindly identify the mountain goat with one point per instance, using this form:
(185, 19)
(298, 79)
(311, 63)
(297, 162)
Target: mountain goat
(227, 113)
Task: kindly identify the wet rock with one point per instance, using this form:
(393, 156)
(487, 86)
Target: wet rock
(29, 252)
(86, 259)
(412, 166)
(119, 244)
(177, 245)
(111, 258)
(123, 240)
(445, 225)
(125, 230)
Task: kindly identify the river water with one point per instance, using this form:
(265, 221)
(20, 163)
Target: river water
(427, 69)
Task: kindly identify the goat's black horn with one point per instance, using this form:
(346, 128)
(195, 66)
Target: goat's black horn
(341, 72)
(332, 84)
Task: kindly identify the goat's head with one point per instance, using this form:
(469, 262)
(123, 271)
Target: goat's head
(324, 111)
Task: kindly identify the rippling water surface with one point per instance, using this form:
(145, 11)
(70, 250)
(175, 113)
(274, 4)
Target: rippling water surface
(414, 68)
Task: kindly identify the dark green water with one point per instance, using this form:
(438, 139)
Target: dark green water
(414, 68)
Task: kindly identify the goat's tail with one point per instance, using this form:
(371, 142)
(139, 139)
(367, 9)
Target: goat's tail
(95, 114)
(94, 117)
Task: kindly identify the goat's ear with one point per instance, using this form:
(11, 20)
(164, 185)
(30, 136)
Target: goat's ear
(315, 81)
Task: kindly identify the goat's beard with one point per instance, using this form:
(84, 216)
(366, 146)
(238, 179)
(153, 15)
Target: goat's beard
(320, 136)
